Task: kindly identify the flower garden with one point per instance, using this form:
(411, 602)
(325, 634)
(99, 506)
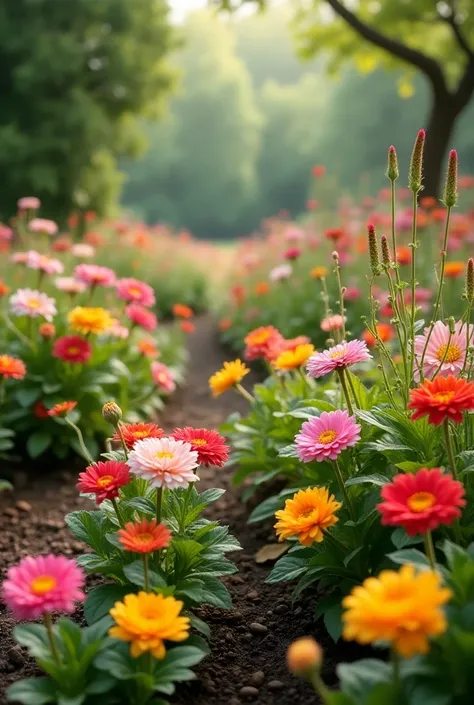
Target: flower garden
(291, 526)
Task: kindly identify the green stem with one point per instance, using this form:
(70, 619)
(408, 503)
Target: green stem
(430, 550)
(117, 511)
(342, 379)
(122, 440)
(80, 438)
(343, 489)
(320, 688)
(413, 284)
(449, 447)
(342, 310)
(159, 504)
(354, 393)
(325, 297)
(395, 659)
(186, 499)
(145, 572)
(244, 393)
(49, 628)
(402, 307)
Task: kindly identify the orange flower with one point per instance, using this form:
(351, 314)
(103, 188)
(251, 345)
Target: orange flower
(225, 324)
(439, 215)
(262, 288)
(11, 367)
(403, 255)
(428, 202)
(4, 289)
(307, 515)
(443, 398)
(144, 536)
(453, 270)
(148, 348)
(63, 408)
(385, 332)
(187, 326)
(182, 311)
(47, 330)
(318, 272)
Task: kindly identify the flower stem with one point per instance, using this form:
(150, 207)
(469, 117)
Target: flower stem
(49, 628)
(117, 511)
(122, 440)
(429, 549)
(449, 447)
(244, 393)
(145, 571)
(395, 659)
(342, 378)
(354, 393)
(319, 687)
(414, 245)
(343, 489)
(186, 499)
(80, 438)
(159, 503)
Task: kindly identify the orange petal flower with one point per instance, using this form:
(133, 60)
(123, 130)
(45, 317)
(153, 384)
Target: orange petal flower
(443, 398)
(144, 536)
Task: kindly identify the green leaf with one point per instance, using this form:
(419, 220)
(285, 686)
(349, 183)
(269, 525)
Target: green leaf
(266, 509)
(100, 600)
(288, 451)
(37, 443)
(359, 678)
(90, 527)
(4, 485)
(400, 538)
(200, 625)
(135, 572)
(189, 590)
(27, 396)
(211, 495)
(375, 479)
(32, 691)
(333, 621)
(214, 592)
(35, 638)
(141, 504)
(287, 568)
(409, 555)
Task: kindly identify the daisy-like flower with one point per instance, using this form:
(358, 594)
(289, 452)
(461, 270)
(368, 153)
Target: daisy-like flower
(442, 346)
(209, 445)
(307, 515)
(443, 398)
(69, 285)
(146, 621)
(140, 316)
(164, 462)
(47, 330)
(62, 244)
(163, 377)
(19, 257)
(291, 359)
(104, 479)
(144, 536)
(421, 502)
(11, 367)
(318, 272)
(402, 608)
(87, 320)
(63, 408)
(83, 250)
(343, 355)
(94, 275)
(385, 333)
(43, 226)
(43, 584)
(331, 323)
(231, 374)
(325, 437)
(187, 327)
(266, 342)
(32, 303)
(133, 432)
(28, 203)
(148, 347)
(72, 348)
(292, 343)
(182, 311)
(281, 272)
(453, 270)
(43, 263)
(133, 290)
(292, 253)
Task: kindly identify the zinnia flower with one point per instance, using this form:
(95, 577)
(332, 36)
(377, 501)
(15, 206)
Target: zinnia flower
(70, 285)
(266, 342)
(39, 410)
(72, 348)
(28, 203)
(187, 327)
(231, 374)
(209, 445)
(453, 270)
(318, 272)
(325, 437)
(104, 479)
(28, 302)
(133, 432)
(290, 359)
(144, 536)
(292, 253)
(146, 620)
(163, 377)
(135, 290)
(87, 320)
(43, 226)
(140, 316)
(63, 408)
(82, 249)
(306, 515)
(94, 275)
(11, 367)
(4, 288)
(343, 355)
(402, 608)
(47, 330)
(148, 348)
(421, 502)
(182, 311)
(281, 272)
(43, 584)
(385, 333)
(43, 263)
(443, 398)
(164, 462)
(442, 346)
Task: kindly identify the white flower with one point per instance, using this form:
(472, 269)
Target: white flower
(164, 462)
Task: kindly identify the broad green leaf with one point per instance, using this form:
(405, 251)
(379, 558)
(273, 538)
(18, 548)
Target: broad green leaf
(32, 691)
(375, 479)
(409, 555)
(37, 443)
(101, 599)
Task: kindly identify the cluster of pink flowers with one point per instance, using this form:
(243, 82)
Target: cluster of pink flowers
(95, 275)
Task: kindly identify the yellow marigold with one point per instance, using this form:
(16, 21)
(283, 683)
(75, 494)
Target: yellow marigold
(403, 608)
(146, 620)
(231, 374)
(318, 272)
(289, 359)
(306, 515)
(90, 320)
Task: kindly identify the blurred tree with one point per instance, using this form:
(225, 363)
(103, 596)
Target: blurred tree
(438, 42)
(74, 74)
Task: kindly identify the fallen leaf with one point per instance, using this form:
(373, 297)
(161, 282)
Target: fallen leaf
(271, 551)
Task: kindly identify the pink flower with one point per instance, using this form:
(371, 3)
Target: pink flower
(43, 226)
(28, 203)
(162, 377)
(117, 330)
(37, 586)
(46, 264)
(442, 346)
(332, 323)
(164, 462)
(133, 290)
(19, 257)
(82, 249)
(94, 275)
(70, 285)
(343, 355)
(326, 436)
(28, 302)
(6, 233)
(292, 253)
(352, 293)
(140, 316)
(294, 234)
(281, 272)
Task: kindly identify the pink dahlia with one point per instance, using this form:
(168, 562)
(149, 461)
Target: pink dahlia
(326, 436)
(94, 275)
(28, 203)
(43, 263)
(28, 302)
(42, 584)
(133, 290)
(163, 377)
(343, 355)
(82, 249)
(140, 316)
(70, 285)
(43, 226)
(164, 462)
(442, 346)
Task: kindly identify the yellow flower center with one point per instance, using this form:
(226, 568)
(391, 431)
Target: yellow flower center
(327, 437)
(420, 501)
(144, 538)
(164, 454)
(43, 584)
(73, 350)
(443, 397)
(105, 480)
(306, 512)
(140, 434)
(453, 353)
(336, 353)
(33, 303)
(259, 338)
(198, 441)
(134, 291)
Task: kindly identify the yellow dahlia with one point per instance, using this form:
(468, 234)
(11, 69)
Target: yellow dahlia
(290, 359)
(403, 608)
(307, 515)
(231, 374)
(90, 320)
(147, 620)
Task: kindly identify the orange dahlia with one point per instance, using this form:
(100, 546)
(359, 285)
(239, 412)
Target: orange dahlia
(443, 398)
(306, 515)
(11, 367)
(144, 536)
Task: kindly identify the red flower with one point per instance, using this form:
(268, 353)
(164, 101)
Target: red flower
(292, 253)
(63, 408)
(318, 170)
(266, 342)
(210, 445)
(104, 479)
(187, 326)
(443, 398)
(334, 234)
(182, 311)
(40, 411)
(421, 502)
(72, 348)
(144, 536)
(133, 432)
(11, 367)
(140, 316)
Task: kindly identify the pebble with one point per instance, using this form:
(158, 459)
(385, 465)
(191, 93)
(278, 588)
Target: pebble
(275, 685)
(234, 701)
(23, 506)
(248, 691)
(11, 512)
(257, 679)
(16, 656)
(257, 628)
(280, 609)
(252, 595)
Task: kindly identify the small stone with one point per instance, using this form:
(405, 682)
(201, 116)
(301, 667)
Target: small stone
(11, 512)
(229, 637)
(252, 595)
(298, 611)
(257, 628)
(269, 613)
(257, 679)
(248, 691)
(275, 685)
(23, 506)
(234, 701)
(247, 637)
(16, 656)
(280, 609)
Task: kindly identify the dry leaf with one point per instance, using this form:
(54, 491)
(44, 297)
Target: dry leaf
(271, 551)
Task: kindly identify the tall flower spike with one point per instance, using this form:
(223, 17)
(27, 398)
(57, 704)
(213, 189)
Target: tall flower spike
(450, 197)
(385, 251)
(373, 251)
(392, 168)
(470, 280)
(415, 174)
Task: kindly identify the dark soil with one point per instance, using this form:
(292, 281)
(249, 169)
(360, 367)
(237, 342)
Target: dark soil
(248, 643)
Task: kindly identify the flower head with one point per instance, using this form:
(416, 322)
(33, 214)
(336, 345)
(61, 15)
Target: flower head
(304, 656)
(11, 367)
(148, 347)
(43, 263)
(182, 311)
(72, 348)
(291, 359)
(87, 320)
(133, 290)
(403, 608)
(94, 275)
(163, 377)
(83, 250)
(306, 515)
(62, 244)
(164, 462)
(28, 203)
(450, 350)
(63, 408)
(453, 270)
(231, 374)
(133, 432)
(4, 289)
(266, 342)
(43, 226)
(32, 303)
(144, 536)
(384, 331)
(47, 330)
(146, 620)
(292, 253)
(325, 437)
(140, 316)
(332, 323)
(43, 584)
(281, 272)
(343, 355)
(70, 285)
(443, 398)
(104, 479)
(421, 502)
(209, 445)
(318, 272)
(39, 410)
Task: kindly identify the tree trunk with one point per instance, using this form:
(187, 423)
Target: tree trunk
(441, 122)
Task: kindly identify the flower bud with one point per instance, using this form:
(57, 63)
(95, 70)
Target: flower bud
(47, 330)
(385, 251)
(373, 250)
(451, 187)
(112, 413)
(392, 168)
(452, 325)
(304, 656)
(415, 174)
(470, 280)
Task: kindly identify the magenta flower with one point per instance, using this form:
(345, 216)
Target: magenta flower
(163, 377)
(6, 233)
(43, 263)
(28, 203)
(133, 290)
(325, 437)
(94, 275)
(343, 355)
(43, 584)
(442, 346)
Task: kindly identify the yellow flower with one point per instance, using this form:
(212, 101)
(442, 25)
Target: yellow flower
(306, 515)
(231, 374)
(402, 608)
(90, 320)
(318, 272)
(146, 620)
(289, 359)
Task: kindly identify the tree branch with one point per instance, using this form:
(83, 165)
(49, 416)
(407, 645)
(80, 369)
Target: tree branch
(460, 38)
(430, 67)
(465, 89)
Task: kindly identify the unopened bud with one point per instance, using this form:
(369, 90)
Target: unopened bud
(304, 656)
(112, 413)
(47, 330)
(415, 174)
(373, 250)
(450, 197)
(470, 280)
(335, 256)
(452, 325)
(385, 251)
(392, 167)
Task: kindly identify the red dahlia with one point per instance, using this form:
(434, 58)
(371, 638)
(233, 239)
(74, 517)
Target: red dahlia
(443, 398)
(72, 348)
(210, 445)
(104, 479)
(133, 432)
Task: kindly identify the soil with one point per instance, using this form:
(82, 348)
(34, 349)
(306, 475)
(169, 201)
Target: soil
(248, 643)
